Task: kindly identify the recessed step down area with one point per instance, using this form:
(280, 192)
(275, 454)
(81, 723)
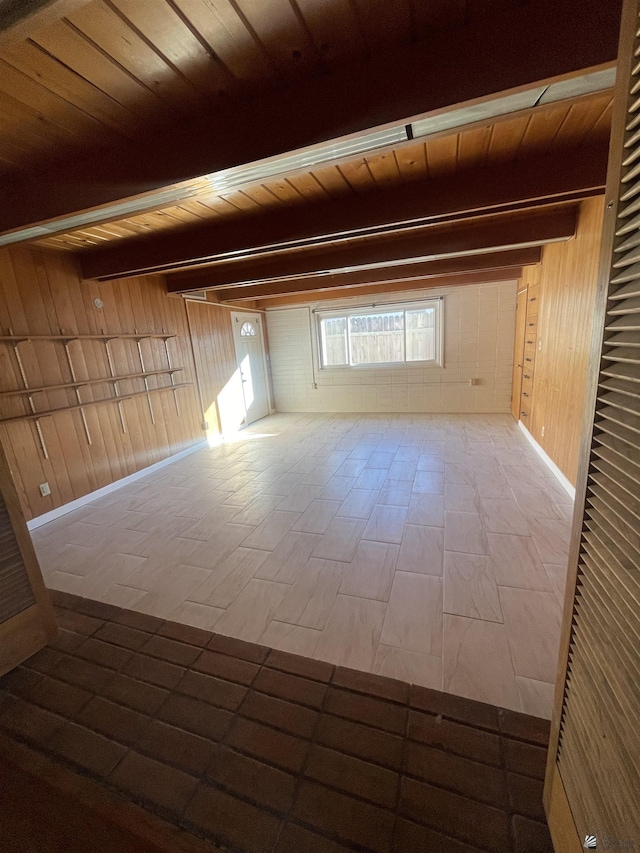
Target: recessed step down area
(431, 548)
(150, 726)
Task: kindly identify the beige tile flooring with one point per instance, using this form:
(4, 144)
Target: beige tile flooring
(430, 548)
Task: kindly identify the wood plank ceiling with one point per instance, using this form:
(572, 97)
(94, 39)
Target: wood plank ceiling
(105, 73)
(569, 125)
(111, 66)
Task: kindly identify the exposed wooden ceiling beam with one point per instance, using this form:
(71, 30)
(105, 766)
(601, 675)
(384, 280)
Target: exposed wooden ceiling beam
(397, 286)
(534, 42)
(428, 243)
(563, 176)
(383, 276)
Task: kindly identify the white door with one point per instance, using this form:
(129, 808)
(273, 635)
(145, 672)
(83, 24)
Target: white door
(247, 334)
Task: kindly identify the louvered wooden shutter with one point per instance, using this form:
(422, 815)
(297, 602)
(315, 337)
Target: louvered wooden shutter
(26, 616)
(15, 590)
(593, 778)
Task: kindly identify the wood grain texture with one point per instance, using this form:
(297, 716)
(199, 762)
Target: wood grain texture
(559, 817)
(82, 64)
(215, 357)
(383, 275)
(494, 233)
(531, 283)
(41, 293)
(180, 66)
(567, 280)
(32, 626)
(537, 182)
(593, 742)
(518, 349)
(398, 285)
(444, 157)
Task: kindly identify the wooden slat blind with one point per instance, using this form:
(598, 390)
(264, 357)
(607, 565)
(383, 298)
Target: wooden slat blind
(598, 756)
(15, 590)
(26, 617)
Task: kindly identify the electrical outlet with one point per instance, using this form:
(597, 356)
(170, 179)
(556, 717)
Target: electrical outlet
(205, 425)
(540, 346)
(543, 432)
(45, 489)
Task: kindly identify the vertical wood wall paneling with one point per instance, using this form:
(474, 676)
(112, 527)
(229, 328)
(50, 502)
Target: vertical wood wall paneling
(518, 349)
(594, 741)
(26, 616)
(41, 293)
(215, 360)
(531, 279)
(567, 278)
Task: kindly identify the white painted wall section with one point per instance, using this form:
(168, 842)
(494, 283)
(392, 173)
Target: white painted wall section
(478, 345)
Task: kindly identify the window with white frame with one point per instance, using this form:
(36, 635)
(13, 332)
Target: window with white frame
(383, 335)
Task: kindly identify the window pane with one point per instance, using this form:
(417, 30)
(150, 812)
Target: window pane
(396, 335)
(377, 338)
(421, 335)
(334, 341)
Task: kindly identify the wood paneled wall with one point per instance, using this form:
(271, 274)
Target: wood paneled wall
(567, 277)
(215, 358)
(27, 622)
(518, 350)
(41, 293)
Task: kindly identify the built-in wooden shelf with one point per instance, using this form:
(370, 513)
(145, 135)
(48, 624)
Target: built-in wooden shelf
(106, 380)
(72, 337)
(35, 416)
(76, 384)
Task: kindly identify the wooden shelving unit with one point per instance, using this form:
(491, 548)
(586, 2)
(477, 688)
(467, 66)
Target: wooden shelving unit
(22, 392)
(72, 337)
(76, 384)
(45, 414)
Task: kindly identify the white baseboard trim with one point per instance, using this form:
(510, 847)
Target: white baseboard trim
(105, 490)
(566, 485)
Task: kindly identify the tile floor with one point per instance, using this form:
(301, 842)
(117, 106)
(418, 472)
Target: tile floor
(261, 751)
(429, 548)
